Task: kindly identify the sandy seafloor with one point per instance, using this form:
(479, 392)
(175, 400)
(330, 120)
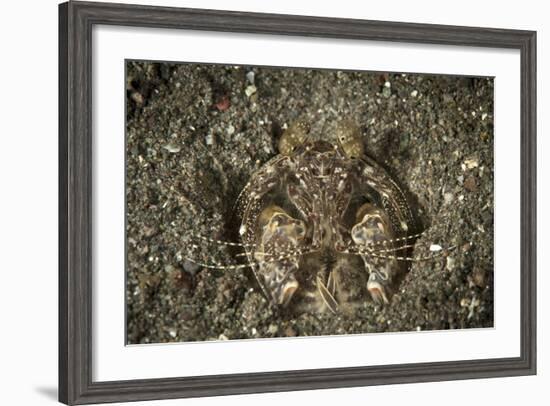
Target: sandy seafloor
(195, 134)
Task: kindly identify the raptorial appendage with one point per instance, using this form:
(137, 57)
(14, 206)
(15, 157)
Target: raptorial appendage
(278, 253)
(374, 230)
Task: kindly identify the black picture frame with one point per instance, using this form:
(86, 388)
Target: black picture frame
(76, 20)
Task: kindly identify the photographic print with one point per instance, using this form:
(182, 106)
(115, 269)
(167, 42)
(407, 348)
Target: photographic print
(270, 202)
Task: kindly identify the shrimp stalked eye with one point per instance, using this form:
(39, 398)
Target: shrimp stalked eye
(293, 137)
(349, 139)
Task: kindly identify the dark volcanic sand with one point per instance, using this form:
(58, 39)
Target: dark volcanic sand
(194, 136)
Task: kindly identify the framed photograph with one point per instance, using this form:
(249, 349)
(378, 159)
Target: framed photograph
(257, 202)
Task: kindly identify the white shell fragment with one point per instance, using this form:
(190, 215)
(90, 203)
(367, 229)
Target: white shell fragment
(250, 77)
(172, 148)
(435, 247)
(250, 90)
(471, 162)
(450, 264)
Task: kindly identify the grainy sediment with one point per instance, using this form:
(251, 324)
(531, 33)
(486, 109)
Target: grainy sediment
(195, 134)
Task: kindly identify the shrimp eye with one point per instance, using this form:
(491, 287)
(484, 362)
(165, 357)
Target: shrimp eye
(349, 139)
(293, 137)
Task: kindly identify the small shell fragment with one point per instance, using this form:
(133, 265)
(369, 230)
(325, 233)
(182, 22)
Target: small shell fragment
(250, 77)
(471, 162)
(172, 148)
(435, 247)
(250, 90)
